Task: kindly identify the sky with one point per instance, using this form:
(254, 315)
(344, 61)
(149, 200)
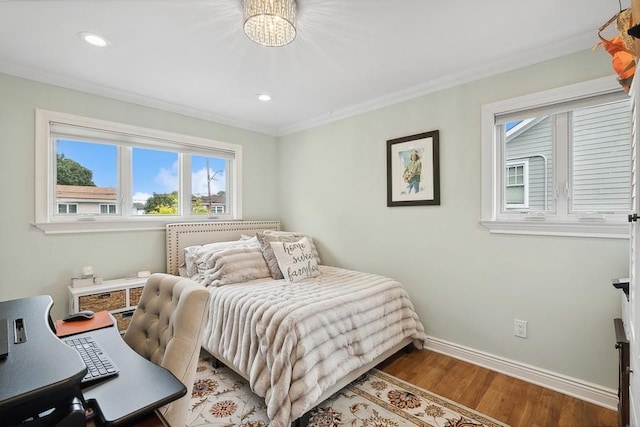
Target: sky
(512, 124)
(153, 170)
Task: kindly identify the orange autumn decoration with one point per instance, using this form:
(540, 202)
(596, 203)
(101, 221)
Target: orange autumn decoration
(621, 48)
(623, 62)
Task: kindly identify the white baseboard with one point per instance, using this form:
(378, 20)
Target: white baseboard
(583, 390)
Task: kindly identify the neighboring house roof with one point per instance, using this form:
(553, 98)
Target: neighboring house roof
(81, 192)
(215, 199)
(519, 127)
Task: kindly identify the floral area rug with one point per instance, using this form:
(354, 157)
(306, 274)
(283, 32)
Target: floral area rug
(221, 398)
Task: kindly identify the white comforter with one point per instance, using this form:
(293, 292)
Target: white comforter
(293, 341)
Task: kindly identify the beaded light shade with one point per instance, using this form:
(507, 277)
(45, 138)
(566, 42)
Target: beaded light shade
(270, 22)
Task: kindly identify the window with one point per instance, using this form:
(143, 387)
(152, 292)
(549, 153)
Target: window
(94, 175)
(517, 185)
(558, 162)
(67, 208)
(210, 178)
(107, 209)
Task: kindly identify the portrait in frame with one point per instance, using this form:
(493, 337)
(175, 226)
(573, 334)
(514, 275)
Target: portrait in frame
(413, 170)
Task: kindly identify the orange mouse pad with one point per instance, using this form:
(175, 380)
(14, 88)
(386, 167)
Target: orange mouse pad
(101, 319)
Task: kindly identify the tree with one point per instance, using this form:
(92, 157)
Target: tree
(70, 172)
(197, 207)
(162, 204)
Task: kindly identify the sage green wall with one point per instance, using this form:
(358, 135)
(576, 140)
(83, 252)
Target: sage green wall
(467, 284)
(34, 263)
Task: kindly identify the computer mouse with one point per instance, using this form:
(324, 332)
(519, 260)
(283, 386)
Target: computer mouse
(81, 315)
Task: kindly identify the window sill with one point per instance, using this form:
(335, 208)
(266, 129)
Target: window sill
(618, 230)
(97, 226)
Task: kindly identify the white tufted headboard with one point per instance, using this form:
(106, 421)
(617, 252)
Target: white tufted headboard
(181, 235)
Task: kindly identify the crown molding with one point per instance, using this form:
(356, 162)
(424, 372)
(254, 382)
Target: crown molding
(125, 96)
(533, 56)
(513, 62)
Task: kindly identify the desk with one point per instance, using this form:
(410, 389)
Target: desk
(139, 388)
(39, 372)
(43, 373)
(153, 419)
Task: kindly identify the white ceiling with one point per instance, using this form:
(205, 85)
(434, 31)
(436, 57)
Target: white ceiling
(349, 56)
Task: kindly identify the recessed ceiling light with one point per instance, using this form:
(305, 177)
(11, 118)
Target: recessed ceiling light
(94, 39)
(264, 97)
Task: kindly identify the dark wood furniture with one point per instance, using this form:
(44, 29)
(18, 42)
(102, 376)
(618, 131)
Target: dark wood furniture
(624, 369)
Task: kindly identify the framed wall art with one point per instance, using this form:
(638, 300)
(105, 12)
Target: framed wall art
(413, 170)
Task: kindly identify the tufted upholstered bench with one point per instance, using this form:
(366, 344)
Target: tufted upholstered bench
(166, 329)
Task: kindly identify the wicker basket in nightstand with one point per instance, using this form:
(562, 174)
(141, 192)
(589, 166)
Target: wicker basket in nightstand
(108, 300)
(120, 297)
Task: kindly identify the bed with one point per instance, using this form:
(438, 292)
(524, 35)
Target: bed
(296, 341)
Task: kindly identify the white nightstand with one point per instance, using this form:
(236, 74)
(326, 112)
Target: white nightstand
(119, 296)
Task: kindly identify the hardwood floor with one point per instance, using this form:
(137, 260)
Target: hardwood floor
(507, 399)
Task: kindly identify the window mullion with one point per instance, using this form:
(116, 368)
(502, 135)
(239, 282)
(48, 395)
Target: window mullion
(184, 176)
(125, 168)
(561, 133)
(233, 184)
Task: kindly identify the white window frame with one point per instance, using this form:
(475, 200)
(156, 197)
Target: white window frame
(539, 223)
(525, 183)
(48, 221)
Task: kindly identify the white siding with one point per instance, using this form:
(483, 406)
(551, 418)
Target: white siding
(601, 158)
(535, 143)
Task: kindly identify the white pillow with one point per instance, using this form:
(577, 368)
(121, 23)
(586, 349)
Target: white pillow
(235, 265)
(188, 267)
(195, 255)
(296, 260)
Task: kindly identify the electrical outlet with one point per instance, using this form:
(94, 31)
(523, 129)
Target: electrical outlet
(520, 328)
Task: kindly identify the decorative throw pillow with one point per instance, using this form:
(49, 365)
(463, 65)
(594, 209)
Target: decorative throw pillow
(296, 260)
(267, 237)
(188, 267)
(195, 255)
(234, 265)
(298, 236)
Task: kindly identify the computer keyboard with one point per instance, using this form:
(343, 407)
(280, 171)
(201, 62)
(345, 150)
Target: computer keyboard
(99, 364)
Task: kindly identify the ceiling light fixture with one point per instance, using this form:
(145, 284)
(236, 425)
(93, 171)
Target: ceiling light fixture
(94, 39)
(270, 22)
(263, 97)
